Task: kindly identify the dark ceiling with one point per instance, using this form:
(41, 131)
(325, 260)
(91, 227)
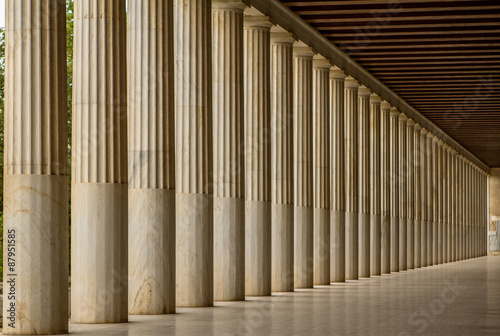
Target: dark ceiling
(442, 57)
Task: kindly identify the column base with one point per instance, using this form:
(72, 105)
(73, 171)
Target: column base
(36, 231)
(151, 265)
(282, 277)
(351, 245)
(194, 250)
(321, 246)
(364, 245)
(394, 244)
(385, 245)
(337, 246)
(303, 243)
(229, 249)
(258, 248)
(375, 247)
(99, 245)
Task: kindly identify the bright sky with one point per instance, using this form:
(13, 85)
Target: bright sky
(2, 13)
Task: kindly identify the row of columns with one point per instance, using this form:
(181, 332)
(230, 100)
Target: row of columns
(247, 163)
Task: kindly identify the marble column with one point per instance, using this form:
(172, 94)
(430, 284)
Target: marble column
(444, 200)
(417, 210)
(403, 191)
(435, 199)
(193, 153)
(228, 133)
(385, 188)
(282, 208)
(375, 191)
(430, 197)
(449, 220)
(256, 71)
(303, 166)
(395, 201)
(351, 178)
(410, 182)
(364, 181)
(439, 184)
(151, 161)
(35, 169)
(424, 203)
(337, 176)
(460, 198)
(99, 193)
(321, 172)
(453, 205)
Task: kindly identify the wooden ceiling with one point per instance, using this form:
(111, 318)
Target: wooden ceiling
(442, 57)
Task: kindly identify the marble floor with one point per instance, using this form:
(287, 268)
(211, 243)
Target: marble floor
(461, 298)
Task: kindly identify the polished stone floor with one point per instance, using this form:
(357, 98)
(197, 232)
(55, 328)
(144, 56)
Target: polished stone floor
(461, 298)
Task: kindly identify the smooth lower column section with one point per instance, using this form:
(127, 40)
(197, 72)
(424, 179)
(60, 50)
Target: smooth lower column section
(151, 166)
(417, 213)
(424, 204)
(395, 201)
(410, 182)
(282, 164)
(35, 170)
(99, 228)
(403, 191)
(385, 187)
(375, 191)
(228, 133)
(321, 169)
(351, 178)
(303, 166)
(364, 181)
(337, 176)
(193, 153)
(257, 125)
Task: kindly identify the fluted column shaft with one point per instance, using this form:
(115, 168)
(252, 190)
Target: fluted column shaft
(403, 191)
(351, 178)
(193, 153)
(453, 205)
(375, 191)
(364, 181)
(256, 74)
(282, 163)
(228, 133)
(303, 166)
(417, 210)
(410, 182)
(440, 203)
(99, 228)
(460, 199)
(424, 207)
(337, 176)
(35, 169)
(445, 203)
(385, 188)
(321, 169)
(151, 158)
(395, 201)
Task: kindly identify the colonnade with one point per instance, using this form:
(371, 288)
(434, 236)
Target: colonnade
(253, 165)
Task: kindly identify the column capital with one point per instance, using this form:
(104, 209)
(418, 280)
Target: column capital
(228, 4)
(300, 49)
(424, 132)
(350, 82)
(394, 112)
(385, 105)
(410, 122)
(375, 99)
(363, 91)
(320, 62)
(256, 21)
(281, 35)
(418, 128)
(435, 139)
(403, 117)
(337, 73)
